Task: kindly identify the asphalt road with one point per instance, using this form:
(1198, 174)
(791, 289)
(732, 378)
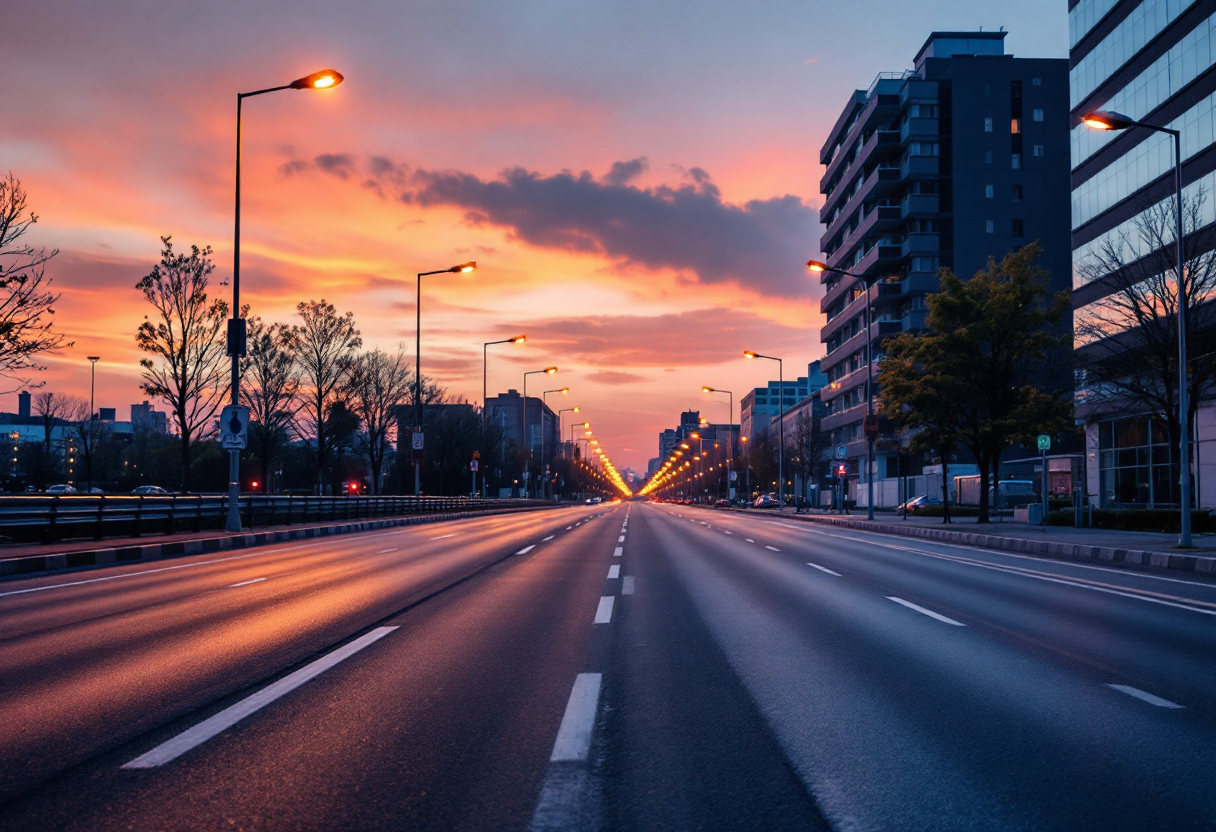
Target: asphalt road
(637, 666)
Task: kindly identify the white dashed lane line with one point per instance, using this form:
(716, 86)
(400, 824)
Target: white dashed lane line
(1145, 697)
(773, 548)
(823, 569)
(923, 611)
(603, 613)
(547, 539)
(246, 583)
(749, 540)
(444, 536)
(526, 549)
(621, 539)
(574, 734)
(614, 571)
(627, 585)
(617, 552)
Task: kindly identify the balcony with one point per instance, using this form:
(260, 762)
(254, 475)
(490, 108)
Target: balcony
(879, 181)
(919, 166)
(880, 144)
(918, 127)
(918, 205)
(921, 244)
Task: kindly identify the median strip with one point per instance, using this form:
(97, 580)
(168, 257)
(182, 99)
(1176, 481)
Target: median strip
(172, 749)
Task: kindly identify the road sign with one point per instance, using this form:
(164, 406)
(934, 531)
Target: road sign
(869, 426)
(734, 476)
(1044, 442)
(234, 427)
(416, 440)
(841, 451)
(473, 465)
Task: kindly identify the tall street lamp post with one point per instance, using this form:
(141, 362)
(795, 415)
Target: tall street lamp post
(324, 79)
(871, 426)
(523, 431)
(518, 339)
(416, 443)
(1108, 120)
(544, 397)
(93, 359)
(730, 430)
(780, 425)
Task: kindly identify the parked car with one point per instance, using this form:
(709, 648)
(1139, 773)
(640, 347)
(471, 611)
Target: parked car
(149, 491)
(61, 489)
(766, 501)
(722, 503)
(917, 504)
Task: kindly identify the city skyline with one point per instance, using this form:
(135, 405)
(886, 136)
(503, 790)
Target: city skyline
(524, 140)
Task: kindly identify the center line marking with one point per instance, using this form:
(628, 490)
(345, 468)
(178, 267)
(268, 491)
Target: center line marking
(172, 749)
(724, 531)
(621, 539)
(774, 548)
(627, 585)
(547, 539)
(568, 528)
(526, 549)
(823, 569)
(579, 523)
(614, 571)
(246, 583)
(1145, 697)
(603, 613)
(924, 611)
(616, 553)
(444, 536)
(749, 540)
(574, 734)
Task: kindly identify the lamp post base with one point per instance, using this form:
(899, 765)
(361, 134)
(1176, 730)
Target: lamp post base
(233, 523)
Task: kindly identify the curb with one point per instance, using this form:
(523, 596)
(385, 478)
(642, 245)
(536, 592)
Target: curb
(1154, 560)
(54, 562)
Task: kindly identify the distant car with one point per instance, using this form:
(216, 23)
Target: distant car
(149, 491)
(96, 490)
(722, 503)
(61, 489)
(917, 505)
(766, 501)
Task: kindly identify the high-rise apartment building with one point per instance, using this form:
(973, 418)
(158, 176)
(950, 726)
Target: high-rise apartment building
(958, 160)
(1151, 60)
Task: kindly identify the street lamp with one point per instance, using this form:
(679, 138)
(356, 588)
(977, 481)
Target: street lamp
(93, 359)
(323, 79)
(780, 425)
(1108, 120)
(730, 430)
(527, 446)
(544, 397)
(871, 427)
(518, 339)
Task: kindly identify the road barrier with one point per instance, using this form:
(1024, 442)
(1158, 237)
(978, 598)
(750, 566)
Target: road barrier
(39, 518)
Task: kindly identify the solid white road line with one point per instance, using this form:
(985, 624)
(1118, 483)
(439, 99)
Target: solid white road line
(172, 749)
(603, 613)
(526, 549)
(246, 583)
(627, 585)
(444, 536)
(614, 571)
(547, 539)
(774, 548)
(924, 611)
(616, 553)
(1145, 697)
(621, 539)
(823, 569)
(574, 734)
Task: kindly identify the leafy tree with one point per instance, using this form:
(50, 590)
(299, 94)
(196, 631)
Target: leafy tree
(186, 342)
(991, 338)
(270, 388)
(27, 306)
(325, 345)
(1128, 339)
(379, 384)
(452, 434)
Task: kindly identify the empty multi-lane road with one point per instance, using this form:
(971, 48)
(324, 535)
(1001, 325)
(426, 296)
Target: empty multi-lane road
(619, 666)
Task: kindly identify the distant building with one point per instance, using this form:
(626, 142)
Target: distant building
(145, 417)
(507, 411)
(23, 403)
(761, 405)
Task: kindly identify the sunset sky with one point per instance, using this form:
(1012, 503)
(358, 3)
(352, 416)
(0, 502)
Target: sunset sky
(638, 181)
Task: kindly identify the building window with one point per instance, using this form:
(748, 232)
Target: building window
(987, 89)
(987, 125)
(988, 157)
(988, 191)
(1017, 161)
(990, 226)
(1015, 126)
(1019, 230)
(1017, 193)
(1036, 82)
(1037, 114)
(1036, 150)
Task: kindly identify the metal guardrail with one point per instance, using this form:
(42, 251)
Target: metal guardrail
(46, 519)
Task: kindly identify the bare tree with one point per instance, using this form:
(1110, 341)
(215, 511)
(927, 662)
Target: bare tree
(325, 344)
(52, 409)
(270, 389)
(91, 434)
(186, 341)
(27, 307)
(379, 383)
(808, 449)
(1128, 340)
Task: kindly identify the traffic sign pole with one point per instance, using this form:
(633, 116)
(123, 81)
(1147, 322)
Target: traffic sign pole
(1044, 444)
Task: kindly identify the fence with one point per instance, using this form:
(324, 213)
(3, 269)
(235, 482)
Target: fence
(46, 519)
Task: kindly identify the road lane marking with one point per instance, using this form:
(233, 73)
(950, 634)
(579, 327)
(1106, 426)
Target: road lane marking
(617, 552)
(603, 613)
(444, 536)
(749, 540)
(246, 583)
(386, 551)
(547, 539)
(1145, 697)
(568, 528)
(579, 523)
(823, 569)
(724, 531)
(614, 571)
(924, 611)
(621, 539)
(627, 585)
(526, 549)
(774, 548)
(574, 734)
(172, 749)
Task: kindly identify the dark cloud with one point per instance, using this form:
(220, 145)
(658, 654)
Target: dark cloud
(614, 377)
(340, 165)
(760, 244)
(623, 173)
(293, 167)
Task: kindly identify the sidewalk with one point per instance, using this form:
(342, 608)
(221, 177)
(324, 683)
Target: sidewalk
(27, 559)
(1147, 549)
